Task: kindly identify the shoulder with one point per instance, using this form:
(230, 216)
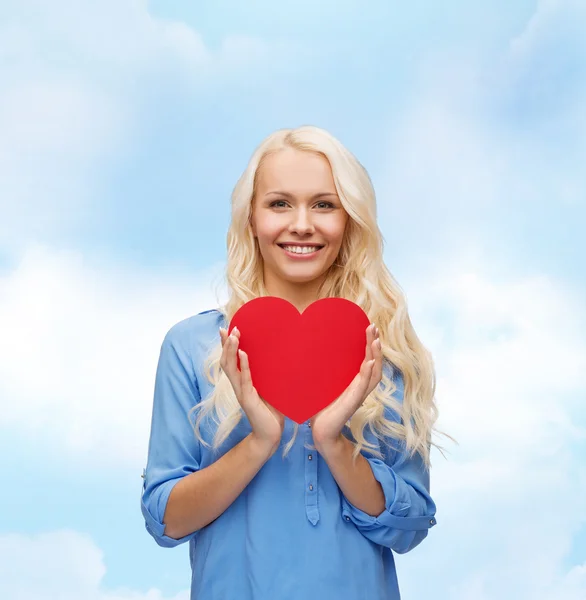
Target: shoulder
(197, 332)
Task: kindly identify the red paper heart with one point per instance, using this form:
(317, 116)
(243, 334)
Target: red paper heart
(300, 363)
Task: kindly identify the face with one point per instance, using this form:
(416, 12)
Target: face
(297, 218)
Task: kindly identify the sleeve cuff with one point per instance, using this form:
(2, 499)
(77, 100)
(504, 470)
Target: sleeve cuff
(397, 505)
(153, 522)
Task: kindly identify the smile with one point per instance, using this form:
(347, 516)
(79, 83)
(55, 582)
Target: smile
(300, 251)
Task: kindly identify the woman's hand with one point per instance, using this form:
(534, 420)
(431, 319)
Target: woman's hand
(328, 424)
(267, 422)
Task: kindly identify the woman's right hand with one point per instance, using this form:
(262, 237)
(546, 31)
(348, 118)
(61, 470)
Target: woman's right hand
(266, 421)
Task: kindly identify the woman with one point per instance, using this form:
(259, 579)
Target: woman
(322, 518)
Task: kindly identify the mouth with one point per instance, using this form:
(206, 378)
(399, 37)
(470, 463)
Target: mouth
(301, 250)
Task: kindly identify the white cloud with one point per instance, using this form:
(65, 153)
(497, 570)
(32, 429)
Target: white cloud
(527, 332)
(52, 131)
(116, 33)
(573, 586)
(60, 114)
(550, 19)
(79, 350)
(509, 348)
(511, 363)
(62, 564)
(491, 138)
(74, 78)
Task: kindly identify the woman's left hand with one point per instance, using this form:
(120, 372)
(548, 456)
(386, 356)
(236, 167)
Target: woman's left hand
(327, 425)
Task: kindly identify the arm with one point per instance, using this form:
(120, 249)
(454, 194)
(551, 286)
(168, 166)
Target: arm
(403, 520)
(201, 497)
(178, 496)
(354, 477)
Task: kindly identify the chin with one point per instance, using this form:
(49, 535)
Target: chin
(301, 277)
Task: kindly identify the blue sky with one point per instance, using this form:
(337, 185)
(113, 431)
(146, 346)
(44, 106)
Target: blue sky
(123, 128)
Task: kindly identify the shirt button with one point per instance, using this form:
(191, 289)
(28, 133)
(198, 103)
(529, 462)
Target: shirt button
(309, 424)
(347, 518)
(432, 521)
(309, 457)
(310, 487)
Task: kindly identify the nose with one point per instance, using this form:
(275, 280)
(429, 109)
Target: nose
(301, 222)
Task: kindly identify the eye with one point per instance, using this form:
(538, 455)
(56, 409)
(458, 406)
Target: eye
(328, 204)
(275, 202)
(283, 203)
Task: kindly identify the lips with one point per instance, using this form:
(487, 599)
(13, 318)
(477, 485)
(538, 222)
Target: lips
(318, 246)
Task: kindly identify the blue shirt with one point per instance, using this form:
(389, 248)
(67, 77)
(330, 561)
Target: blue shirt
(291, 534)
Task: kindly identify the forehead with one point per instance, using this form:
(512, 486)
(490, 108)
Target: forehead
(295, 170)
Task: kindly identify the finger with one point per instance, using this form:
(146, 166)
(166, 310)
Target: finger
(357, 389)
(376, 349)
(367, 379)
(222, 336)
(234, 342)
(367, 382)
(244, 369)
(245, 379)
(369, 340)
(236, 333)
(378, 355)
(376, 374)
(230, 368)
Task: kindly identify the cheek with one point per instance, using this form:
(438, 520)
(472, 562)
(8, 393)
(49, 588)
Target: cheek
(335, 231)
(269, 228)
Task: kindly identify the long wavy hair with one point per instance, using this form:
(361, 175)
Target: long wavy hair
(358, 274)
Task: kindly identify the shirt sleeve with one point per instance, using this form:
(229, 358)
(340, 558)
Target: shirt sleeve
(409, 509)
(174, 451)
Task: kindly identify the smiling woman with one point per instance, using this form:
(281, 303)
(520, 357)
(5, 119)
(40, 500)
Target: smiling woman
(324, 516)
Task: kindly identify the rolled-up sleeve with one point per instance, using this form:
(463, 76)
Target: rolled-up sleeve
(174, 451)
(409, 509)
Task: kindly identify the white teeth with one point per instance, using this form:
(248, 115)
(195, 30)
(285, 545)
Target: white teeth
(301, 249)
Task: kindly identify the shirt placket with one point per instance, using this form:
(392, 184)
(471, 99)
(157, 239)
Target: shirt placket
(311, 483)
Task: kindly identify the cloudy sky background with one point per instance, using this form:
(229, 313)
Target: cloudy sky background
(123, 128)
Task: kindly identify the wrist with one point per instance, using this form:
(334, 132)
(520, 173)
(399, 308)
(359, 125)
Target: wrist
(263, 449)
(332, 447)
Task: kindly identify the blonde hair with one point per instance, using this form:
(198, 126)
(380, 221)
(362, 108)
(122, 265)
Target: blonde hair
(358, 274)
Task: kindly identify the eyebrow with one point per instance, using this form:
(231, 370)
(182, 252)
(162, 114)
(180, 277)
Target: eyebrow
(289, 195)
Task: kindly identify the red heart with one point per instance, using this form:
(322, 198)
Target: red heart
(300, 363)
